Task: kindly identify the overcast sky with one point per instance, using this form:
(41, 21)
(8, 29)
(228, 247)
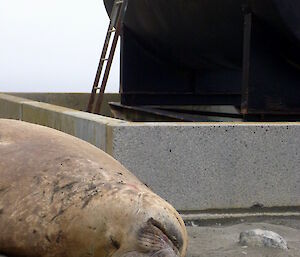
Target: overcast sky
(52, 45)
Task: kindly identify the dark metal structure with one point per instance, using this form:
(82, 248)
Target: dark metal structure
(244, 53)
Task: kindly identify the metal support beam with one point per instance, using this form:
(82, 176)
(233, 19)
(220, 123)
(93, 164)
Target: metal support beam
(246, 59)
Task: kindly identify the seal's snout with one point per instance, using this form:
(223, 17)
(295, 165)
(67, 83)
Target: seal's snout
(158, 240)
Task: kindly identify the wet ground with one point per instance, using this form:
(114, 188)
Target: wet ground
(221, 240)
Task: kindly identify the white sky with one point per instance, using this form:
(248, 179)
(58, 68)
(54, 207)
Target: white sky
(52, 45)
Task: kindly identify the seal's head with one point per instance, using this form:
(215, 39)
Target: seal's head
(155, 230)
(156, 240)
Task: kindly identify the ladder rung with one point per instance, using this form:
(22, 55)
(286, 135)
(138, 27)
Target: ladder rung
(97, 88)
(104, 59)
(119, 2)
(112, 30)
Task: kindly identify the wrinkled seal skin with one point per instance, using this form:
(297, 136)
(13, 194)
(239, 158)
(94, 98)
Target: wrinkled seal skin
(60, 196)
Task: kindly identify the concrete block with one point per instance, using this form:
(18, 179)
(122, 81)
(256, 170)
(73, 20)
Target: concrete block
(197, 166)
(11, 106)
(76, 101)
(89, 127)
(48, 115)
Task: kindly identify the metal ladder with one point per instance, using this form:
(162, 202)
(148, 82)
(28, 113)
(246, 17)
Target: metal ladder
(115, 26)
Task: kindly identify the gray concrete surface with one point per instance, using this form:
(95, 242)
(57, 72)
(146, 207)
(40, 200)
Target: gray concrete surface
(76, 101)
(194, 166)
(222, 240)
(209, 166)
(11, 106)
(89, 127)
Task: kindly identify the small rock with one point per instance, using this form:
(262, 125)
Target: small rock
(258, 237)
(193, 224)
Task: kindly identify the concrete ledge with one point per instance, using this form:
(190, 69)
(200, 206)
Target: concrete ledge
(206, 218)
(75, 101)
(11, 106)
(89, 127)
(195, 166)
(200, 166)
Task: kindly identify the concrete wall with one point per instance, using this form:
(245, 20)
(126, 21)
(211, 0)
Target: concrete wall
(195, 166)
(208, 166)
(87, 126)
(76, 101)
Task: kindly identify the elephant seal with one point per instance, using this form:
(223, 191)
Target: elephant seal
(61, 196)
